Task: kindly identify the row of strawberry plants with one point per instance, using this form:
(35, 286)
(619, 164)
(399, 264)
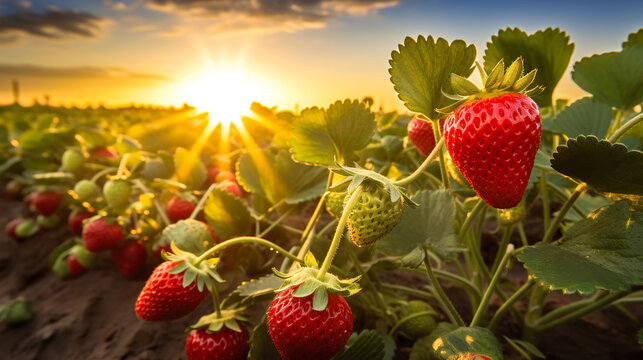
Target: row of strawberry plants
(498, 149)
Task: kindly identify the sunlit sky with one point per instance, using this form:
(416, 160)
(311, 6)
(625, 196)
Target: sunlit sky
(304, 52)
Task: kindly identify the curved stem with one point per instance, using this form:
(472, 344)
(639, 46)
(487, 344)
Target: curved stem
(582, 312)
(494, 280)
(457, 280)
(408, 318)
(446, 304)
(275, 223)
(408, 290)
(122, 167)
(495, 320)
(545, 199)
(246, 239)
(580, 189)
(378, 296)
(567, 309)
(437, 134)
(502, 249)
(339, 231)
(215, 298)
(201, 202)
(469, 220)
(305, 236)
(618, 133)
(423, 166)
(521, 232)
(102, 173)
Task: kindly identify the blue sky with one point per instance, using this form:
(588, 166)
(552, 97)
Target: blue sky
(307, 52)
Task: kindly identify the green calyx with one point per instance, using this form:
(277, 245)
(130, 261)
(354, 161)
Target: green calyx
(202, 272)
(305, 278)
(507, 217)
(212, 323)
(497, 82)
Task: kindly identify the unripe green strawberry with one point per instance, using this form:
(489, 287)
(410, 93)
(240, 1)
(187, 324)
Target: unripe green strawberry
(86, 190)
(420, 326)
(15, 312)
(116, 193)
(335, 203)
(72, 160)
(48, 222)
(153, 168)
(85, 257)
(27, 228)
(373, 216)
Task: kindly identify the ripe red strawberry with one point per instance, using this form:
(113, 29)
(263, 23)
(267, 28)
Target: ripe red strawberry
(74, 266)
(225, 175)
(164, 298)
(10, 228)
(105, 153)
(75, 221)
(98, 235)
(232, 187)
(493, 141)
(178, 209)
(225, 344)
(130, 258)
(213, 171)
(46, 202)
(299, 332)
(421, 135)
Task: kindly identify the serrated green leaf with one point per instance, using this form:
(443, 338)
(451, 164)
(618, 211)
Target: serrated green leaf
(320, 136)
(261, 346)
(604, 166)
(586, 116)
(467, 340)
(603, 251)
(259, 287)
(615, 78)
(367, 345)
(320, 299)
(227, 214)
(634, 39)
(548, 50)
(277, 178)
(189, 169)
(429, 225)
(421, 69)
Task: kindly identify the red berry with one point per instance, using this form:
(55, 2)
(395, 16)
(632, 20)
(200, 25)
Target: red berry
(493, 141)
(225, 344)
(76, 221)
(10, 228)
(178, 209)
(105, 153)
(74, 266)
(130, 258)
(164, 298)
(421, 135)
(46, 202)
(299, 332)
(225, 175)
(232, 187)
(213, 171)
(98, 235)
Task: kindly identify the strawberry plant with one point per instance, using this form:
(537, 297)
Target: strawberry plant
(420, 220)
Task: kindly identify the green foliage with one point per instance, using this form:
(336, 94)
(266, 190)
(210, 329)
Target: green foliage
(602, 251)
(227, 214)
(421, 69)
(367, 345)
(429, 225)
(604, 166)
(615, 78)
(319, 136)
(634, 39)
(585, 117)
(277, 178)
(189, 169)
(548, 50)
(261, 346)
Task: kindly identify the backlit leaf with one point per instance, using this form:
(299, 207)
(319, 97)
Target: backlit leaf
(585, 117)
(227, 214)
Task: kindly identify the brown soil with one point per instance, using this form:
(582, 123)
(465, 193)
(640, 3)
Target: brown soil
(92, 317)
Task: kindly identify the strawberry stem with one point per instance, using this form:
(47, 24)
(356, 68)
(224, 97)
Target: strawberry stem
(202, 202)
(506, 236)
(122, 167)
(338, 233)
(442, 297)
(618, 133)
(423, 166)
(102, 173)
(492, 284)
(495, 320)
(483, 74)
(311, 225)
(551, 231)
(215, 298)
(242, 240)
(276, 223)
(437, 134)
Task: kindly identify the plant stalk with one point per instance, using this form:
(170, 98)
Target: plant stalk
(580, 189)
(495, 320)
(494, 280)
(618, 133)
(446, 304)
(582, 312)
(436, 150)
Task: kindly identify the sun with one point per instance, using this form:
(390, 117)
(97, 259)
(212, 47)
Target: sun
(224, 93)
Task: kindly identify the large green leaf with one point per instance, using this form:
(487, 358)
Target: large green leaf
(227, 215)
(429, 225)
(461, 341)
(585, 117)
(615, 78)
(277, 178)
(606, 167)
(634, 39)
(603, 251)
(421, 69)
(319, 136)
(189, 169)
(548, 50)
(367, 345)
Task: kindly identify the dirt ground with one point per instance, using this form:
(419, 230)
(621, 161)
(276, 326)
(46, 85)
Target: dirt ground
(92, 317)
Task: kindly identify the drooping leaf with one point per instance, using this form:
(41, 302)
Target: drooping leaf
(585, 117)
(227, 214)
(606, 167)
(603, 251)
(367, 345)
(277, 178)
(467, 340)
(319, 136)
(634, 39)
(421, 69)
(548, 50)
(615, 78)
(429, 225)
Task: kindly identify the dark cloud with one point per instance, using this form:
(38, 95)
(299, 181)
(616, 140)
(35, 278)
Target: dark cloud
(54, 23)
(271, 15)
(76, 72)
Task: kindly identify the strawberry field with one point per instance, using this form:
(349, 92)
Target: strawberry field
(489, 220)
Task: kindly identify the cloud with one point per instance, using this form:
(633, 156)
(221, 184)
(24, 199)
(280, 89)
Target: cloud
(269, 15)
(75, 72)
(54, 23)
